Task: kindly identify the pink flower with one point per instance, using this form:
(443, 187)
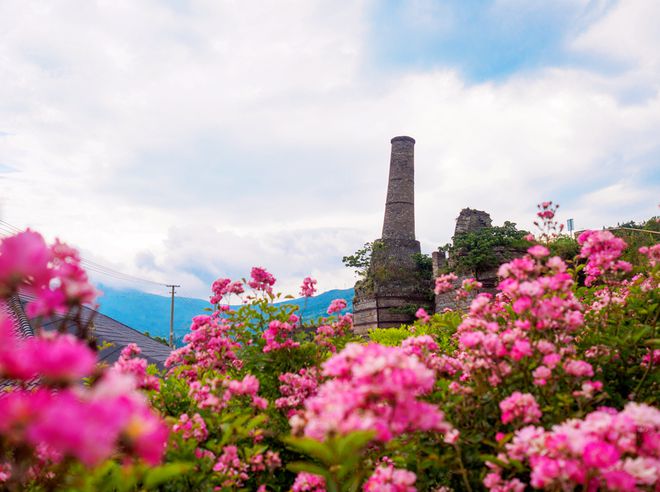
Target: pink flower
(219, 288)
(261, 279)
(607, 448)
(602, 250)
(373, 387)
(521, 407)
(336, 306)
(422, 315)
(24, 259)
(652, 253)
(307, 482)
(296, 388)
(191, 428)
(386, 478)
(578, 368)
(600, 454)
(129, 363)
(277, 336)
(538, 251)
(444, 283)
(308, 287)
(60, 358)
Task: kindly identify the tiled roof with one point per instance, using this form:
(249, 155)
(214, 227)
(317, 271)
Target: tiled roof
(112, 331)
(11, 309)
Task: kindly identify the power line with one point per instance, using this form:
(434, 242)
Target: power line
(7, 229)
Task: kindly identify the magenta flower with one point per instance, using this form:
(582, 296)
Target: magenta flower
(261, 279)
(24, 259)
(308, 482)
(308, 287)
(521, 408)
(337, 306)
(445, 283)
(373, 387)
(386, 478)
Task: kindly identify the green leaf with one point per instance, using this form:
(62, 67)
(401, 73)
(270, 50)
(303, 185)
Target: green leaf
(353, 443)
(313, 448)
(161, 474)
(304, 466)
(653, 342)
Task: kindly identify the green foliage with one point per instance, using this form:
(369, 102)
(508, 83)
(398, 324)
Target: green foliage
(424, 264)
(361, 259)
(566, 247)
(486, 248)
(441, 326)
(338, 459)
(638, 237)
(157, 338)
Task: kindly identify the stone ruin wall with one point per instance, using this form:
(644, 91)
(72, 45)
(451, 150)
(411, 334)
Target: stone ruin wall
(469, 220)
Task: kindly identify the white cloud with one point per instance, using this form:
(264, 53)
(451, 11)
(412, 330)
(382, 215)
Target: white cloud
(219, 135)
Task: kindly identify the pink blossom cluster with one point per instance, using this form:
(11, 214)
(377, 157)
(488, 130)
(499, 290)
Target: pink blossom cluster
(549, 226)
(191, 427)
(652, 357)
(52, 273)
(608, 450)
(445, 283)
(336, 306)
(224, 286)
(424, 348)
(248, 386)
(260, 279)
(608, 296)
(422, 315)
(216, 393)
(55, 358)
(265, 461)
(652, 253)
(468, 286)
(602, 249)
(130, 363)
(208, 347)
(308, 482)
(296, 388)
(233, 470)
(529, 324)
(326, 333)
(277, 335)
(86, 424)
(520, 408)
(372, 387)
(386, 478)
(308, 287)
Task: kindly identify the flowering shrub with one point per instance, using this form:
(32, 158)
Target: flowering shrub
(550, 382)
(55, 427)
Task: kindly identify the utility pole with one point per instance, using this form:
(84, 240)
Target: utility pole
(172, 316)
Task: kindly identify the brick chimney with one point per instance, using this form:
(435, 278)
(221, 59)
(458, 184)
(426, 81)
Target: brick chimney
(399, 222)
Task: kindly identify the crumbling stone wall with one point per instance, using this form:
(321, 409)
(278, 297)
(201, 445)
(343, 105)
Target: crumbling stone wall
(469, 220)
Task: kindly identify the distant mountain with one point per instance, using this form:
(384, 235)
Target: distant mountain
(151, 313)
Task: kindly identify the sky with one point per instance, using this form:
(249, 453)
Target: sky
(179, 141)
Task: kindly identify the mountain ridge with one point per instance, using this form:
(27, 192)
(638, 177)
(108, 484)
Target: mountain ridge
(150, 313)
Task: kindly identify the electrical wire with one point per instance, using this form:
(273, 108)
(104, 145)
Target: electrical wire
(7, 229)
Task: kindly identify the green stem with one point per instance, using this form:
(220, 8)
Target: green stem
(462, 469)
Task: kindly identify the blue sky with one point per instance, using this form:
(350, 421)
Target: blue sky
(484, 39)
(182, 140)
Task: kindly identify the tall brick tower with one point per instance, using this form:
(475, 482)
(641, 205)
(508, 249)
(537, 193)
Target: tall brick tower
(399, 220)
(394, 286)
